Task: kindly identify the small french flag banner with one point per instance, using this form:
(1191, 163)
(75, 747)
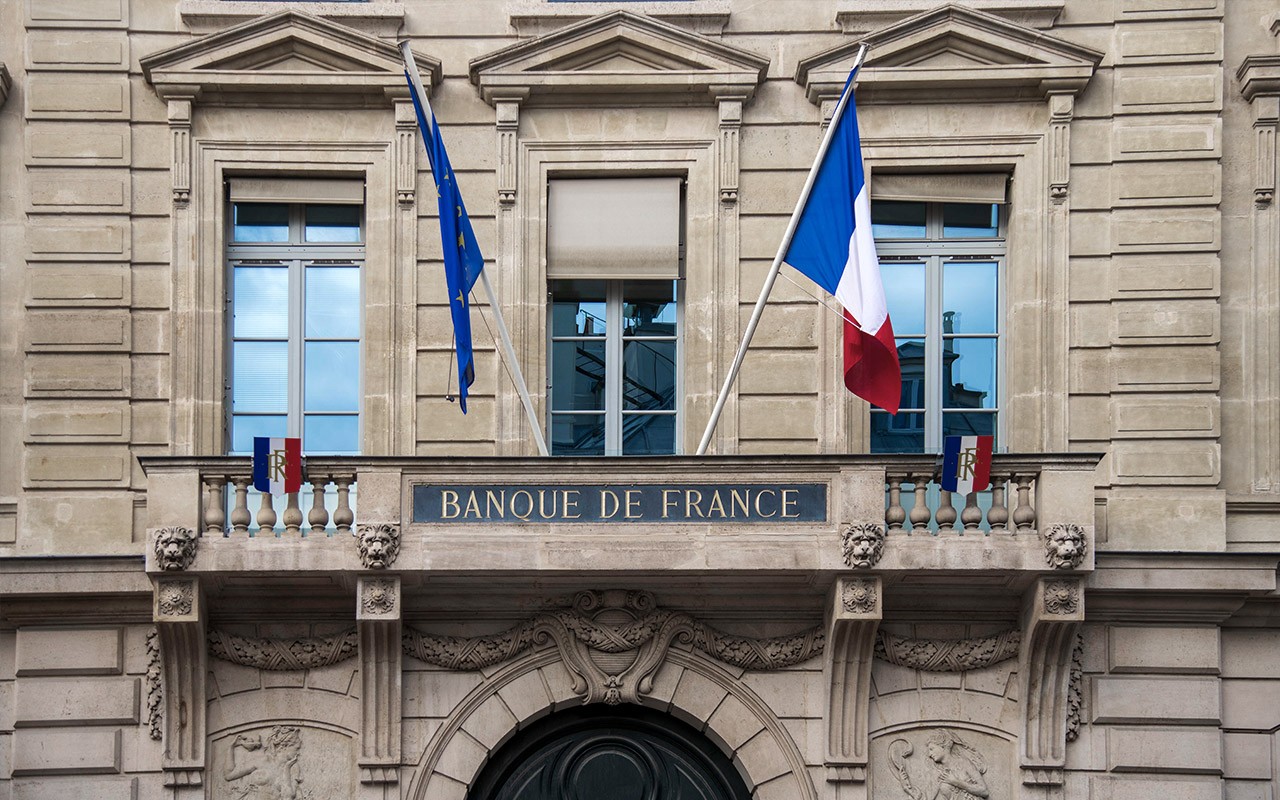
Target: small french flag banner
(966, 463)
(277, 464)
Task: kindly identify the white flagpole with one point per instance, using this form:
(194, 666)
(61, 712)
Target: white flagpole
(777, 262)
(505, 338)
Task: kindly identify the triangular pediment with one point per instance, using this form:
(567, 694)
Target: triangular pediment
(953, 53)
(622, 54)
(291, 54)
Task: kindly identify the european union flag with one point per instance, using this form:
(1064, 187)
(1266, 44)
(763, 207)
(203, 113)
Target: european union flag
(462, 258)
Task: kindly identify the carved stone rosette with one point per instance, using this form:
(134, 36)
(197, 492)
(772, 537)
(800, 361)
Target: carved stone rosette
(862, 544)
(174, 547)
(1065, 546)
(378, 543)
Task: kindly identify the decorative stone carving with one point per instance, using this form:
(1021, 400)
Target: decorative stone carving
(1061, 597)
(379, 544)
(283, 654)
(378, 597)
(863, 544)
(155, 691)
(259, 769)
(948, 655)
(1065, 546)
(859, 595)
(1075, 690)
(957, 769)
(175, 547)
(587, 631)
(175, 598)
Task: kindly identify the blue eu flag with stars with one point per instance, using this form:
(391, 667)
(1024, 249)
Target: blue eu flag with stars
(462, 258)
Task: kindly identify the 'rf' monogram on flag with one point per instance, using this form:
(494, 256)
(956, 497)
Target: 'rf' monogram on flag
(966, 463)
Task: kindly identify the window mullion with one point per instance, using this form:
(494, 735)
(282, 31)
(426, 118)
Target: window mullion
(613, 368)
(933, 354)
(296, 377)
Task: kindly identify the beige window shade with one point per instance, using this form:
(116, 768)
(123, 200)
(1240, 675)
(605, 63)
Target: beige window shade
(959, 187)
(613, 228)
(339, 191)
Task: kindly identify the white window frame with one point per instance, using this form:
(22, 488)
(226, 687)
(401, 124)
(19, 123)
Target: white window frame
(934, 251)
(295, 255)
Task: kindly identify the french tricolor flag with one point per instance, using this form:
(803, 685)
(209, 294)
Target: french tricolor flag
(833, 246)
(966, 463)
(277, 464)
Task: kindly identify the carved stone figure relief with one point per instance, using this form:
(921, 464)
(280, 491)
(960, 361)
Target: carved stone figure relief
(282, 762)
(1065, 546)
(175, 547)
(379, 544)
(952, 768)
(863, 544)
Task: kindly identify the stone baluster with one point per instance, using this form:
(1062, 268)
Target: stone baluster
(292, 517)
(920, 511)
(343, 516)
(895, 514)
(240, 516)
(214, 515)
(318, 516)
(1024, 516)
(998, 514)
(266, 514)
(946, 515)
(972, 515)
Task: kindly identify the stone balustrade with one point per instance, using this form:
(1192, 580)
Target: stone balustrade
(325, 485)
(916, 502)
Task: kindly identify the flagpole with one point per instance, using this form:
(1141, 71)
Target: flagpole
(505, 338)
(777, 260)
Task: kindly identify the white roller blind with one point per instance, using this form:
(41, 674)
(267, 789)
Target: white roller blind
(958, 187)
(613, 228)
(337, 191)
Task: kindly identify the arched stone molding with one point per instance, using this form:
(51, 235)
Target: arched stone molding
(689, 686)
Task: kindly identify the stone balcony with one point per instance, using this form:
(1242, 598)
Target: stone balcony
(743, 515)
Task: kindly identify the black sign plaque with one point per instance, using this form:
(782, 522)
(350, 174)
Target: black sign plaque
(620, 503)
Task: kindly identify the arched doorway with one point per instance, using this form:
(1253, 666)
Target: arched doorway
(603, 753)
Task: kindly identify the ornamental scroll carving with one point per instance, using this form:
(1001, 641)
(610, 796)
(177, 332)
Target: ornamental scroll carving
(1075, 690)
(155, 696)
(948, 655)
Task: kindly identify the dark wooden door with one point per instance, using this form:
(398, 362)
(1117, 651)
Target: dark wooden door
(590, 754)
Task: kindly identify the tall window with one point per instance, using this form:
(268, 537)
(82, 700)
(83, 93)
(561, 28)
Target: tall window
(943, 269)
(614, 253)
(294, 314)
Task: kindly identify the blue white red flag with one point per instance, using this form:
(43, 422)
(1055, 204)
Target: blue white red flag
(833, 246)
(966, 463)
(277, 464)
(461, 253)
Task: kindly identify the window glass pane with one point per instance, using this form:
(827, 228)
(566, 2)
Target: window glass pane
(648, 374)
(649, 308)
(332, 223)
(973, 423)
(331, 373)
(970, 220)
(578, 376)
(648, 434)
(245, 428)
(260, 377)
(911, 362)
(969, 297)
(897, 219)
(260, 302)
(969, 373)
(260, 222)
(577, 434)
(900, 433)
(904, 293)
(577, 308)
(331, 433)
(333, 302)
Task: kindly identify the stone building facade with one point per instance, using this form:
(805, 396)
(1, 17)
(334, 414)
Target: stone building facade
(446, 615)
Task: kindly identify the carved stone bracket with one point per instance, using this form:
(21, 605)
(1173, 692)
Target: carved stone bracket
(862, 545)
(178, 610)
(180, 138)
(730, 127)
(1259, 77)
(1061, 110)
(174, 547)
(508, 124)
(613, 642)
(406, 165)
(378, 543)
(856, 607)
(378, 624)
(1053, 613)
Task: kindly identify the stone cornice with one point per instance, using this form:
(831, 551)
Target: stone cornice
(1259, 76)
(860, 16)
(536, 17)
